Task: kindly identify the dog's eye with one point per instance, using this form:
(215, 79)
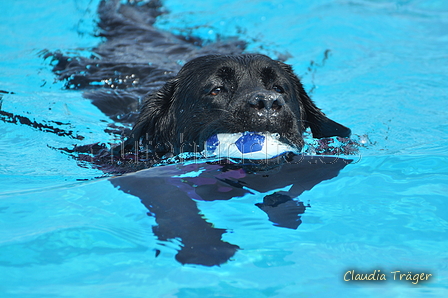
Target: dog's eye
(278, 89)
(216, 91)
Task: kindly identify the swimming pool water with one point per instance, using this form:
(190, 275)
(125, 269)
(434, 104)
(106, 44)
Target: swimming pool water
(66, 234)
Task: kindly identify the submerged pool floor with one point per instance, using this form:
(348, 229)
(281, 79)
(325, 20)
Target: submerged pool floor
(378, 67)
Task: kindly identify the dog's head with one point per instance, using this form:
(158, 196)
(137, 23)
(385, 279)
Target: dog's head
(230, 94)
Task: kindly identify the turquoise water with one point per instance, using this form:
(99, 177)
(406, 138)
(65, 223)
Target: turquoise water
(385, 77)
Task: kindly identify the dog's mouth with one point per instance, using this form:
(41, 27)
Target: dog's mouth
(277, 124)
(271, 130)
(247, 145)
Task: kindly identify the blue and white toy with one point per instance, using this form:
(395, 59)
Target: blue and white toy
(248, 145)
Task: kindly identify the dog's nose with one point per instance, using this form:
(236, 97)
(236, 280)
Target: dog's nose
(266, 101)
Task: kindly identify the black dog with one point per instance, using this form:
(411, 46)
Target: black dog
(225, 93)
(229, 94)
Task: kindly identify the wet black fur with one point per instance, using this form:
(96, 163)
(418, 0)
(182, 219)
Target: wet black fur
(184, 112)
(131, 77)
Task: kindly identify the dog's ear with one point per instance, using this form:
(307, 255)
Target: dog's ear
(312, 117)
(321, 126)
(156, 119)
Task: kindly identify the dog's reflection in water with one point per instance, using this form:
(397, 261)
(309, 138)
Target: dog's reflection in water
(170, 196)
